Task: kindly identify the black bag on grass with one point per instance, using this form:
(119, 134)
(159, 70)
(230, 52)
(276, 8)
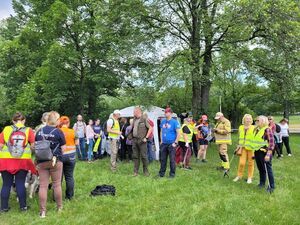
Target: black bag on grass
(104, 190)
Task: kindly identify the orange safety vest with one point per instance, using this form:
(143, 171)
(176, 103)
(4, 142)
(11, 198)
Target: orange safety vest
(70, 140)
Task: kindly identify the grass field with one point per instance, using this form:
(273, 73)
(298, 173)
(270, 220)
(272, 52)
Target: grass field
(200, 196)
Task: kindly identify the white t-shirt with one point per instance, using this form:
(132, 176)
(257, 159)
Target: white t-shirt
(284, 130)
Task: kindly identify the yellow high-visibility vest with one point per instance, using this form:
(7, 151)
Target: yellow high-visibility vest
(116, 127)
(190, 135)
(258, 140)
(245, 137)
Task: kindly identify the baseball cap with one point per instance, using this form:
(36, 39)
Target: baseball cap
(168, 110)
(117, 112)
(218, 115)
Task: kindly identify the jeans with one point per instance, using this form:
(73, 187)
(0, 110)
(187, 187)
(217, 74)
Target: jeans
(149, 151)
(68, 171)
(165, 151)
(262, 165)
(8, 180)
(286, 142)
(90, 150)
(80, 149)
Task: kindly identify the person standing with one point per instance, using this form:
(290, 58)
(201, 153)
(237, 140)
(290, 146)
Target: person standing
(222, 132)
(123, 147)
(170, 134)
(275, 128)
(129, 140)
(16, 144)
(54, 167)
(150, 140)
(98, 138)
(244, 149)
(285, 133)
(140, 134)
(263, 144)
(80, 129)
(43, 120)
(186, 144)
(114, 134)
(204, 131)
(90, 136)
(69, 155)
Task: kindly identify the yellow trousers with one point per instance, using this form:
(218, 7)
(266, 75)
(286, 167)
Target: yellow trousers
(247, 155)
(224, 155)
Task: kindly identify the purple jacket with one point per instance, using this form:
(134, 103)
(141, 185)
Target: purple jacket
(128, 130)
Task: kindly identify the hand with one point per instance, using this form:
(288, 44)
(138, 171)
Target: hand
(174, 145)
(120, 133)
(267, 158)
(122, 137)
(54, 161)
(187, 144)
(145, 140)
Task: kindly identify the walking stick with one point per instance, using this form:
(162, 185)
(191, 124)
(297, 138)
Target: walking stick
(185, 156)
(226, 172)
(268, 181)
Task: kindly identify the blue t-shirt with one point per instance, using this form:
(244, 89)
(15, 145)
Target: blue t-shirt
(57, 139)
(97, 129)
(168, 129)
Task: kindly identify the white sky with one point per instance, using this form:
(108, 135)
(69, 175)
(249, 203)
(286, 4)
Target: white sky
(5, 9)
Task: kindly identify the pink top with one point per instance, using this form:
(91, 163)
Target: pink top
(90, 134)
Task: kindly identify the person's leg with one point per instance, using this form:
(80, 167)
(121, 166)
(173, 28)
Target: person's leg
(78, 152)
(200, 152)
(129, 149)
(56, 174)
(204, 152)
(136, 156)
(286, 142)
(90, 150)
(270, 174)
(250, 155)
(259, 158)
(144, 156)
(20, 178)
(188, 156)
(82, 148)
(7, 182)
(44, 175)
(280, 148)
(68, 170)
(113, 155)
(242, 163)
(224, 156)
(149, 151)
(163, 159)
(172, 152)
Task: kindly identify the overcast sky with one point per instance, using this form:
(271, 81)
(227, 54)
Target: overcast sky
(5, 8)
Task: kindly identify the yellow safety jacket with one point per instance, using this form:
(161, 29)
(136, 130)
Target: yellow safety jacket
(190, 135)
(258, 140)
(116, 127)
(7, 131)
(223, 138)
(245, 137)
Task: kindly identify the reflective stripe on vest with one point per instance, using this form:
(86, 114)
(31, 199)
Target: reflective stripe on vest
(258, 140)
(245, 140)
(69, 150)
(189, 136)
(5, 154)
(116, 127)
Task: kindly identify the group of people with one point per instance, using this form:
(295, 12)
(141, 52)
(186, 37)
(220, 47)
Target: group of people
(257, 141)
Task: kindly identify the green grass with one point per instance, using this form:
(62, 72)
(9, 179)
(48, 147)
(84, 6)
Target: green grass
(201, 196)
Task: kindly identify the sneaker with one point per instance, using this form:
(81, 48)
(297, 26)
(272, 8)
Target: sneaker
(281, 155)
(290, 155)
(204, 160)
(236, 179)
(42, 214)
(188, 168)
(4, 210)
(249, 181)
(25, 209)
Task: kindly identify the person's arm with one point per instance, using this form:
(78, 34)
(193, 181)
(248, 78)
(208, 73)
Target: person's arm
(150, 129)
(178, 135)
(270, 136)
(31, 139)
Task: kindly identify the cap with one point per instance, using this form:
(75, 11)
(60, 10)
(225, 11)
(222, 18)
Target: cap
(168, 110)
(218, 115)
(117, 112)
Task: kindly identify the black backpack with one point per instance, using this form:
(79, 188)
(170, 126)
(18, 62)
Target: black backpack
(278, 128)
(105, 127)
(104, 190)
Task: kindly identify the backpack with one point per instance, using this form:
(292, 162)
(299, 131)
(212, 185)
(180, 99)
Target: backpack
(43, 151)
(17, 141)
(105, 127)
(278, 128)
(104, 190)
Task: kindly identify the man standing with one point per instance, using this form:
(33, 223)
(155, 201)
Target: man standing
(222, 133)
(140, 134)
(114, 133)
(170, 134)
(80, 130)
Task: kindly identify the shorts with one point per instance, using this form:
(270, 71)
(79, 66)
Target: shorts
(203, 141)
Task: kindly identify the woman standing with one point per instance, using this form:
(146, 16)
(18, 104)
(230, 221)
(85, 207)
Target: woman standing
(285, 136)
(54, 167)
(203, 132)
(16, 143)
(90, 134)
(129, 140)
(244, 149)
(263, 144)
(69, 155)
